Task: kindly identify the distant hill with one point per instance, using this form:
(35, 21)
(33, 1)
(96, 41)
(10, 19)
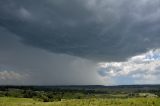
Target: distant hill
(86, 87)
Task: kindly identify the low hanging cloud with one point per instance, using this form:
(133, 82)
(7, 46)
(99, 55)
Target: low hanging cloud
(99, 30)
(25, 65)
(141, 69)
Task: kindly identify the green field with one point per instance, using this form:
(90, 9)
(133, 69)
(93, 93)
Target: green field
(7, 101)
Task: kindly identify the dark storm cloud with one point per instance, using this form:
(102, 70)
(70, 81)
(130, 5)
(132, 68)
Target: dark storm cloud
(25, 65)
(101, 30)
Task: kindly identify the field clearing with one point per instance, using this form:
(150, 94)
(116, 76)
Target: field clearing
(7, 101)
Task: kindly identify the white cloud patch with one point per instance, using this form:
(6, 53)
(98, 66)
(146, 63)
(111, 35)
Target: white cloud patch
(10, 77)
(140, 69)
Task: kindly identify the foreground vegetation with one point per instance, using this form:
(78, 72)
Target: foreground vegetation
(8, 101)
(80, 96)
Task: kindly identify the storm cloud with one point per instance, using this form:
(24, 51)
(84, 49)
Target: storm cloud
(101, 30)
(63, 42)
(24, 65)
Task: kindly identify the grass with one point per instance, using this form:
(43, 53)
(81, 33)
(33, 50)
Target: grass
(7, 101)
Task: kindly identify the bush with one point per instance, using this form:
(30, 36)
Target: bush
(29, 94)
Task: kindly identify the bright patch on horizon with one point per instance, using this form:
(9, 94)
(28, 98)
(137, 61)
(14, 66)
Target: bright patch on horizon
(140, 69)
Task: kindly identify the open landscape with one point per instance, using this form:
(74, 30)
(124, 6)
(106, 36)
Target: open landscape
(130, 95)
(79, 52)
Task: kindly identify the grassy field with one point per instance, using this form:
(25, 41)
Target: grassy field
(6, 101)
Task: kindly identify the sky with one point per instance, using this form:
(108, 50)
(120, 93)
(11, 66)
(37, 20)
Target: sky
(79, 42)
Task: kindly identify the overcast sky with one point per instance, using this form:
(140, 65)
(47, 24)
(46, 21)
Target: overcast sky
(79, 42)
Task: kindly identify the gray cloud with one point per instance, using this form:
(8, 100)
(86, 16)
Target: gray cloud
(25, 65)
(104, 30)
